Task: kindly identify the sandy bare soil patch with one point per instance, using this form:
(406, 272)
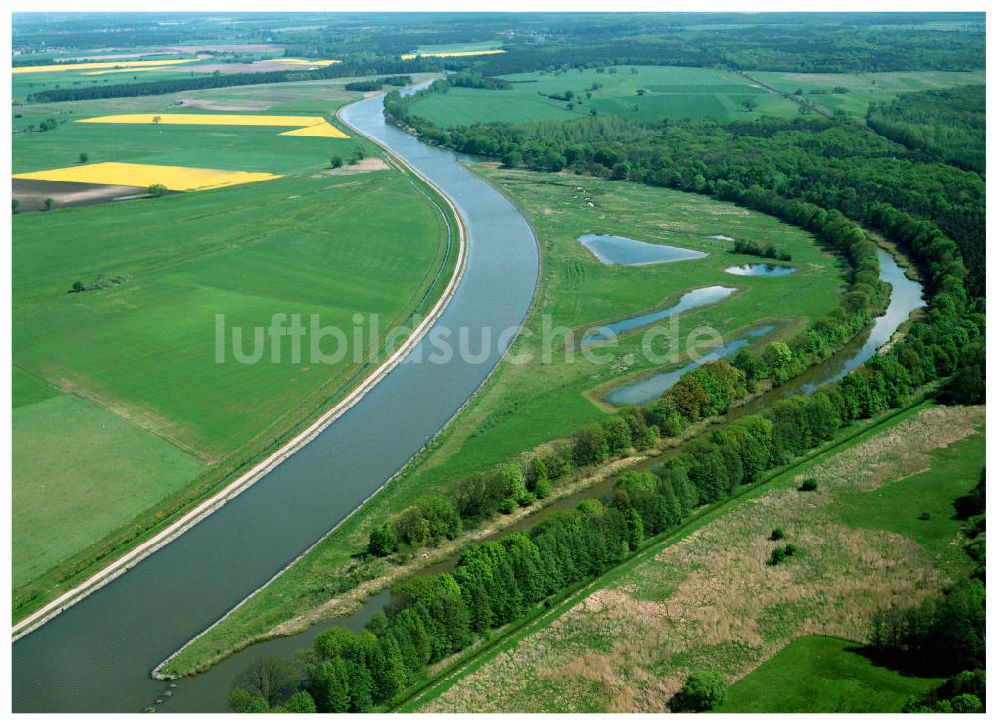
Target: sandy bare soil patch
(364, 166)
(711, 601)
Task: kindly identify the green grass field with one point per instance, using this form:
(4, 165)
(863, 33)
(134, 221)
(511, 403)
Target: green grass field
(816, 674)
(81, 471)
(669, 92)
(862, 89)
(123, 414)
(242, 148)
(705, 599)
(901, 506)
(522, 406)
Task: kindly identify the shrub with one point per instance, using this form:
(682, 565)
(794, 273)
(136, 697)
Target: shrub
(809, 485)
(508, 505)
(776, 534)
(778, 555)
(590, 446)
(383, 540)
(702, 691)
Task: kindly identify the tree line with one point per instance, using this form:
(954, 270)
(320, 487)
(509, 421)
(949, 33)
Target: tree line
(755, 249)
(377, 83)
(495, 583)
(390, 66)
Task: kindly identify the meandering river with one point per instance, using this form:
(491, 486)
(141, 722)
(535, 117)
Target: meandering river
(97, 656)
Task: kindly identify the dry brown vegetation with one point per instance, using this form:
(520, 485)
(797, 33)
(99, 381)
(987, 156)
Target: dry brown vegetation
(711, 601)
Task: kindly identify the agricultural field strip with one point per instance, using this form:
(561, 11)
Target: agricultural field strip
(303, 125)
(175, 178)
(451, 54)
(304, 62)
(125, 65)
(138, 553)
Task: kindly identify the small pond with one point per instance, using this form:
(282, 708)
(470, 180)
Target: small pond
(649, 388)
(762, 269)
(689, 300)
(613, 250)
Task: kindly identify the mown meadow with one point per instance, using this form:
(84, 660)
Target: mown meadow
(818, 674)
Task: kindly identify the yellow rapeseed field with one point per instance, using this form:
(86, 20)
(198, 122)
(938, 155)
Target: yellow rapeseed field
(455, 54)
(304, 125)
(304, 62)
(175, 178)
(123, 64)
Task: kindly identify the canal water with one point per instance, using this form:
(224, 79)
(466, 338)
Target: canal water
(97, 656)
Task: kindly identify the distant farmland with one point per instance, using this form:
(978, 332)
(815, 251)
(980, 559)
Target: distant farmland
(642, 93)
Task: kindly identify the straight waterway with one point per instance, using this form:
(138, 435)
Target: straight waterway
(97, 656)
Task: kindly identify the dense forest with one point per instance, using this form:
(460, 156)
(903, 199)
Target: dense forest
(949, 125)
